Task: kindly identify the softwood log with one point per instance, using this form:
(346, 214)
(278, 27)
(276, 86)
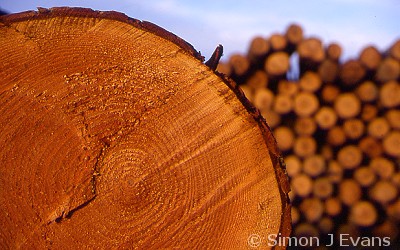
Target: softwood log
(305, 104)
(310, 81)
(396, 179)
(277, 64)
(383, 192)
(383, 167)
(391, 143)
(306, 230)
(335, 171)
(302, 185)
(263, 99)
(116, 135)
(347, 105)
(349, 192)
(393, 117)
(387, 229)
(288, 88)
(327, 152)
(278, 42)
(326, 117)
(394, 50)
(336, 136)
(328, 71)
(314, 165)
(334, 51)
(353, 128)
(259, 47)
(323, 188)
(283, 104)
(371, 146)
(294, 35)
(349, 157)
(285, 138)
(378, 127)
(363, 213)
(365, 176)
(293, 165)
(312, 209)
(295, 215)
(311, 53)
(367, 91)
(305, 146)
(351, 72)
(292, 195)
(370, 58)
(388, 70)
(240, 67)
(389, 94)
(368, 112)
(326, 225)
(347, 114)
(258, 80)
(333, 206)
(305, 126)
(393, 210)
(348, 229)
(329, 93)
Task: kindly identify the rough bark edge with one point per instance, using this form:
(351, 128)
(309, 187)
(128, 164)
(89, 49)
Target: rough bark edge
(276, 156)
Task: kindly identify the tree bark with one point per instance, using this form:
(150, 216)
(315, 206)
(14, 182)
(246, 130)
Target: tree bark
(115, 135)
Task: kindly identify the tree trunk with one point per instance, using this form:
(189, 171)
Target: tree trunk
(115, 135)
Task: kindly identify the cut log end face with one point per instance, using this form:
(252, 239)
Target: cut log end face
(115, 135)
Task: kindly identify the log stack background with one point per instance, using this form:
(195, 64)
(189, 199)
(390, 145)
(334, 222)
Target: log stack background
(338, 126)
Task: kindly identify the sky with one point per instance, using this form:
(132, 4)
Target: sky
(354, 24)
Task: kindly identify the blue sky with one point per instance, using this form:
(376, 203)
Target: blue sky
(354, 24)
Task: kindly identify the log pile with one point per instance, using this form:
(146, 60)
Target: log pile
(338, 125)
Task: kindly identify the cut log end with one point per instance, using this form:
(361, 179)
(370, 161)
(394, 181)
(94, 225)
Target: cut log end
(129, 138)
(305, 104)
(347, 105)
(334, 51)
(363, 214)
(294, 34)
(277, 64)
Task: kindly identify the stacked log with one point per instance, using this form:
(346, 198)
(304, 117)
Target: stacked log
(337, 123)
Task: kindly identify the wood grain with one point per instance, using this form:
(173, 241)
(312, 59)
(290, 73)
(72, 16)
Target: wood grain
(116, 135)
